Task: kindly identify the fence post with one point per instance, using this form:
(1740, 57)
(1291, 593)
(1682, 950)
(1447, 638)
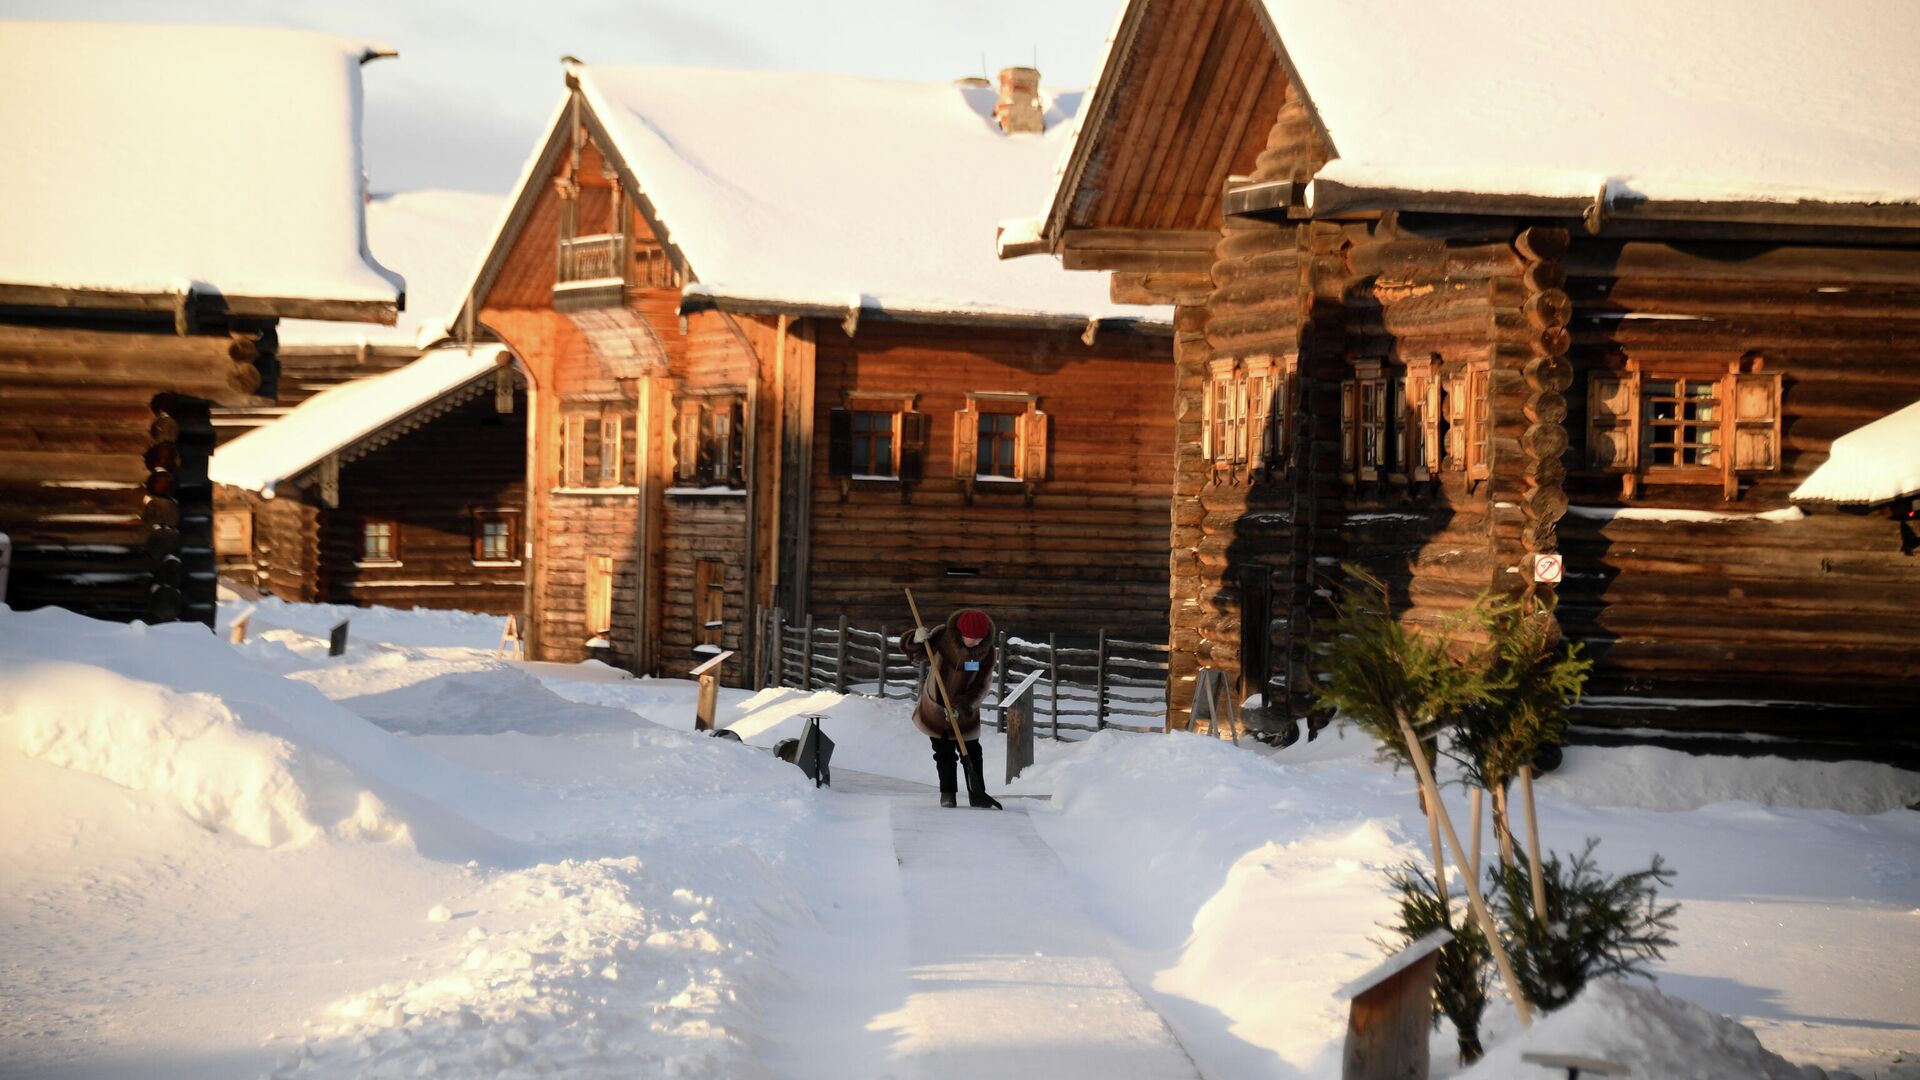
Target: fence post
(1100, 682)
(1053, 686)
(840, 660)
(806, 656)
(884, 649)
(1000, 677)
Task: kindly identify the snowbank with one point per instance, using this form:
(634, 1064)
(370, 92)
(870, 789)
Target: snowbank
(1635, 1025)
(189, 748)
(1655, 778)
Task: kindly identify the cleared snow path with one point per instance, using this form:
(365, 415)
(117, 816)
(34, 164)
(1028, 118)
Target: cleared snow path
(968, 925)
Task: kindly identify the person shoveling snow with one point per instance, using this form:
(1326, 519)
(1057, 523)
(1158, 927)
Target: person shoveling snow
(960, 658)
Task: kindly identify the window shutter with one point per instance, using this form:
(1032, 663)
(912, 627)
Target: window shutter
(1456, 413)
(1430, 425)
(736, 444)
(966, 439)
(610, 450)
(914, 429)
(1259, 412)
(839, 443)
(629, 450)
(1033, 445)
(1480, 424)
(1207, 407)
(1612, 409)
(686, 461)
(1756, 422)
(1375, 391)
(573, 458)
(1404, 441)
(1348, 443)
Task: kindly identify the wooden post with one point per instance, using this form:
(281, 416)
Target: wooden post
(1474, 900)
(709, 675)
(777, 668)
(1016, 710)
(1390, 1014)
(1053, 686)
(840, 659)
(1100, 682)
(1533, 846)
(1478, 794)
(806, 656)
(1439, 856)
(237, 633)
(1000, 674)
(885, 647)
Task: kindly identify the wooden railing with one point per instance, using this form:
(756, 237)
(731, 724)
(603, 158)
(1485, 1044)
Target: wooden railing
(1105, 683)
(590, 258)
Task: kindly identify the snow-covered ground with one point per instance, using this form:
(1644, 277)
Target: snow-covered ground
(416, 859)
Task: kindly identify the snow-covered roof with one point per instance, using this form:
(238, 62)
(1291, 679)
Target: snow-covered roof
(832, 191)
(166, 159)
(1711, 100)
(433, 237)
(338, 417)
(1797, 107)
(1874, 464)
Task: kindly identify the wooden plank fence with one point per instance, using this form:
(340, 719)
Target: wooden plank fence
(1108, 683)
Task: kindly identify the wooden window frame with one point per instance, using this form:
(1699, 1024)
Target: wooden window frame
(573, 450)
(1746, 425)
(483, 518)
(710, 438)
(393, 553)
(240, 542)
(1030, 435)
(1246, 413)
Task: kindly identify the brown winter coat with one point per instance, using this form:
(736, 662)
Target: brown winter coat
(950, 657)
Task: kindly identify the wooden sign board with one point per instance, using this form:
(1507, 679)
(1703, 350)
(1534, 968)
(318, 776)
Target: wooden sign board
(337, 641)
(1548, 569)
(815, 753)
(1576, 1065)
(513, 644)
(712, 662)
(1390, 1014)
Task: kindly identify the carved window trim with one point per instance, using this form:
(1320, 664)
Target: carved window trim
(1627, 416)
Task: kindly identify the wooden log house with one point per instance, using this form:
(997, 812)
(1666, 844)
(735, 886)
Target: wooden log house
(142, 279)
(406, 489)
(366, 486)
(1456, 292)
(772, 364)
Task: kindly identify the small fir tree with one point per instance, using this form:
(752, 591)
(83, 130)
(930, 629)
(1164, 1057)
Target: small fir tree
(1536, 677)
(1377, 671)
(1461, 971)
(1594, 925)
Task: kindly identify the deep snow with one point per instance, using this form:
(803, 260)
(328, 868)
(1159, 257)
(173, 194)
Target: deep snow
(415, 858)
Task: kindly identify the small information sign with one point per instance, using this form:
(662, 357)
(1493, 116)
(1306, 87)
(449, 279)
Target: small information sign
(1547, 569)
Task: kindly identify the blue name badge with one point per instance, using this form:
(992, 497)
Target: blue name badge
(973, 665)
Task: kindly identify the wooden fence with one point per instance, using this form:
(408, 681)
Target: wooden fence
(1108, 683)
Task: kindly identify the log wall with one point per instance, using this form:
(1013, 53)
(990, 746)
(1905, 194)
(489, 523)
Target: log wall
(1086, 550)
(104, 441)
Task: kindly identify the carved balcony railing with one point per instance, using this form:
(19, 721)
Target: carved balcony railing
(590, 258)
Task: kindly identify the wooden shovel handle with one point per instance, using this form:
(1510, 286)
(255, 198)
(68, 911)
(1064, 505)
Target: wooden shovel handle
(933, 669)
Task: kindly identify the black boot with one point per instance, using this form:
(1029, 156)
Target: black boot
(977, 779)
(945, 756)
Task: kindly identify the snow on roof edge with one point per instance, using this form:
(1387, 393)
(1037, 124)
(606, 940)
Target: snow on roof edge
(342, 415)
(1876, 463)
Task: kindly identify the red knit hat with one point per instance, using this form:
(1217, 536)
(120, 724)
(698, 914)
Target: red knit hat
(973, 624)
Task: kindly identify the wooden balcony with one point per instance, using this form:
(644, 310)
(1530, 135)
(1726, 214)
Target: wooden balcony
(590, 272)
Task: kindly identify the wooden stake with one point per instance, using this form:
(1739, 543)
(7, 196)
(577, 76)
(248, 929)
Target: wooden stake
(1474, 900)
(933, 672)
(1478, 793)
(1439, 855)
(1533, 847)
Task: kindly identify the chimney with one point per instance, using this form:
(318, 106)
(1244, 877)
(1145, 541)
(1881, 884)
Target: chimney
(1019, 109)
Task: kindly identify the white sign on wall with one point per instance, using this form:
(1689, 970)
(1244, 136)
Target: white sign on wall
(1547, 569)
